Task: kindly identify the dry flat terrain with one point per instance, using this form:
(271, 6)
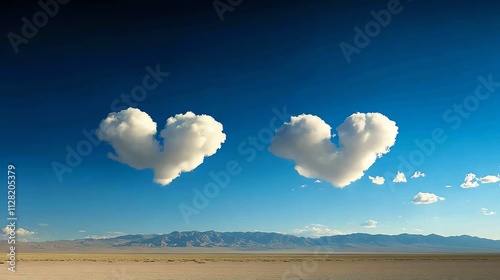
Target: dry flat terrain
(253, 266)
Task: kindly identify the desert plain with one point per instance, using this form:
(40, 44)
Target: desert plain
(211, 266)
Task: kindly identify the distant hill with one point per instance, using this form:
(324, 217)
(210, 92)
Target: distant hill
(248, 241)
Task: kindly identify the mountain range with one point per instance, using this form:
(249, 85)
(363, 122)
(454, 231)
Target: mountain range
(260, 241)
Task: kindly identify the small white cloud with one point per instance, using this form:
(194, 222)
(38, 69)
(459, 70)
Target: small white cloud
(43, 225)
(82, 231)
(426, 198)
(486, 212)
(403, 229)
(418, 174)
(417, 230)
(470, 181)
(489, 179)
(316, 230)
(317, 181)
(400, 178)
(447, 186)
(19, 231)
(362, 138)
(293, 189)
(377, 180)
(110, 234)
(187, 140)
(24, 232)
(370, 224)
(303, 186)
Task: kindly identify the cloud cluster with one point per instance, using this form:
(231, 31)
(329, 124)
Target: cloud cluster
(426, 198)
(186, 140)
(472, 181)
(306, 140)
(400, 178)
(377, 180)
(316, 230)
(370, 224)
(418, 174)
(486, 212)
(19, 231)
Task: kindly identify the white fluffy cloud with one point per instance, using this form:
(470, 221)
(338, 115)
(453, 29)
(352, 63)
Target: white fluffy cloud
(486, 212)
(19, 231)
(187, 140)
(400, 178)
(316, 230)
(470, 181)
(447, 186)
(418, 174)
(317, 181)
(306, 140)
(370, 224)
(426, 198)
(377, 180)
(489, 179)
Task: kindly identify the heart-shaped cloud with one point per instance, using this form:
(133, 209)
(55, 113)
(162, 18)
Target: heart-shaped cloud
(306, 140)
(187, 140)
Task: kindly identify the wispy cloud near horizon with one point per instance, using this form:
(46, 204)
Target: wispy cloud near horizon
(316, 230)
(370, 224)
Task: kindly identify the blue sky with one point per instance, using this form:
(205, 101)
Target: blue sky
(424, 62)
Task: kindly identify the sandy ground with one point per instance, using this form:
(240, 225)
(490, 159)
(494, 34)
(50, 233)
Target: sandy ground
(338, 270)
